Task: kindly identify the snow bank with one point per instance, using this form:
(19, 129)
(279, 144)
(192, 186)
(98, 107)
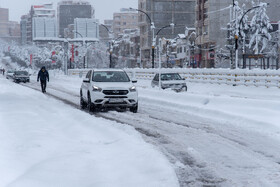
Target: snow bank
(44, 142)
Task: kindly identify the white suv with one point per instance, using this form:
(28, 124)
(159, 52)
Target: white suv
(108, 88)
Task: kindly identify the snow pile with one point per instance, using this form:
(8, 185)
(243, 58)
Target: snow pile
(44, 142)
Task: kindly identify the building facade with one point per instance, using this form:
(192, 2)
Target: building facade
(14, 29)
(162, 13)
(44, 27)
(4, 22)
(104, 34)
(126, 50)
(67, 11)
(212, 17)
(125, 19)
(33, 23)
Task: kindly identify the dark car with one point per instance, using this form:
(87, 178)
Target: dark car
(21, 76)
(170, 80)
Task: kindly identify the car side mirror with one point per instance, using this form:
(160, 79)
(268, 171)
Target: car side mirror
(184, 79)
(86, 80)
(134, 81)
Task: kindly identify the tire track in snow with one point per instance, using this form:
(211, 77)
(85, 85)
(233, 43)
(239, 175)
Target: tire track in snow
(190, 170)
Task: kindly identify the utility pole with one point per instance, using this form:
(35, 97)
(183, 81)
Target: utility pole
(236, 35)
(159, 63)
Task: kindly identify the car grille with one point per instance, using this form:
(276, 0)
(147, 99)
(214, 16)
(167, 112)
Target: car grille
(115, 92)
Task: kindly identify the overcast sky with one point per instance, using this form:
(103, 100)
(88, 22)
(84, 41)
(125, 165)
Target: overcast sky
(104, 9)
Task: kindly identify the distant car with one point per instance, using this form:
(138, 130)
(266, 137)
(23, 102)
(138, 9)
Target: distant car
(170, 80)
(21, 76)
(108, 88)
(9, 74)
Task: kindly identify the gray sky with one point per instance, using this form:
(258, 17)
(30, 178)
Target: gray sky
(104, 9)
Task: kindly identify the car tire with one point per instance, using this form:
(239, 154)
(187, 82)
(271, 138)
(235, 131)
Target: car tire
(134, 109)
(185, 89)
(90, 106)
(83, 104)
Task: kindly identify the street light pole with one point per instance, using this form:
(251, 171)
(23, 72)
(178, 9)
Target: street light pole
(170, 25)
(159, 63)
(84, 48)
(110, 46)
(152, 26)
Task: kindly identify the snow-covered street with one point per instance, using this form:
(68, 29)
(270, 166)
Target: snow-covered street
(44, 142)
(215, 135)
(140, 93)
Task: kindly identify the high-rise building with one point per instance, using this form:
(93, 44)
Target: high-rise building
(14, 29)
(30, 23)
(25, 29)
(4, 22)
(125, 19)
(162, 13)
(67, 11)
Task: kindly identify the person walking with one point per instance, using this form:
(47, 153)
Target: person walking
(43, 75)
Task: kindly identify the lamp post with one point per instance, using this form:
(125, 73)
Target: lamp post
(84, 48)
(170, 25)
(159, 63)
(152, 26)
(111, 46)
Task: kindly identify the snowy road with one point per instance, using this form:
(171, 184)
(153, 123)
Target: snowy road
(214, 137)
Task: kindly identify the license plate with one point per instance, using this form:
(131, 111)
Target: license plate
(115, 100)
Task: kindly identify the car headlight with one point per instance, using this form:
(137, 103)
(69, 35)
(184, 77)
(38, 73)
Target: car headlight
(132, 89)
(96, 89)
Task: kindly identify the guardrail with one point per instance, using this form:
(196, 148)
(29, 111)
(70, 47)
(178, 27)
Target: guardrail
(267, 78)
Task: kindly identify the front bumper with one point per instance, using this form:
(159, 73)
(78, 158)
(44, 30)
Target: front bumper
(173, 86)
(21, 79)
(99, 99)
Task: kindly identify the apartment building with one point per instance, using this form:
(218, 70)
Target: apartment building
(4, 22)
(67, 11)
(125, 19)
(39, 22)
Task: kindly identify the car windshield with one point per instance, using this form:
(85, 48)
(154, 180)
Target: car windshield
(10, 71)
(21, 73)
(110, 76)
(170, 76)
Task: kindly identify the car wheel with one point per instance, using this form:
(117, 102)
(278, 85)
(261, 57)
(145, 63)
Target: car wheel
(185, 88)
(134, 109)
(90, 106)
(83, 104)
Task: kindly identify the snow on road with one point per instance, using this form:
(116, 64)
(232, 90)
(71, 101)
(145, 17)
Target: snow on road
(213, 134)
(216, 135)
(44, 142)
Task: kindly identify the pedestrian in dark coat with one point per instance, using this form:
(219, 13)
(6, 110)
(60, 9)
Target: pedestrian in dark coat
(43, 75)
